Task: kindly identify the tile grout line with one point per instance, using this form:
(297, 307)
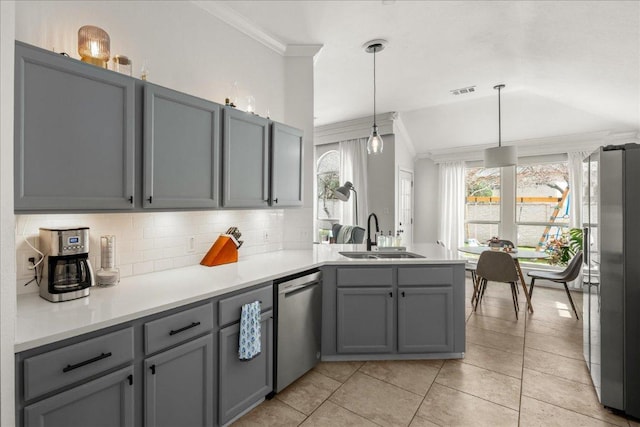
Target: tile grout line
(415, 414)
(524, 349)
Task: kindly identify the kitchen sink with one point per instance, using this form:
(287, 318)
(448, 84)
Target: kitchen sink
(380, 255)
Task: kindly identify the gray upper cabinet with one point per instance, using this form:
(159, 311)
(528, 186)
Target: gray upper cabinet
(179, 385)
(181, 150)
(245, 154)
(74, 134)
(286, 166)
(105, 402)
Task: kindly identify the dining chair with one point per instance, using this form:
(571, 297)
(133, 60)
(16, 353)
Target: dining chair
(496, 266)
(567, 275)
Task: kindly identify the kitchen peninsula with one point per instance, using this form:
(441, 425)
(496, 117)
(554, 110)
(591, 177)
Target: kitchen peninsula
(372, 309)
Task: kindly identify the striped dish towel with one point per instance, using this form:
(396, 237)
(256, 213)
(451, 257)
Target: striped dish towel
(249, 341)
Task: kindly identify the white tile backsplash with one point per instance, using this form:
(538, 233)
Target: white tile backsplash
(148, 242)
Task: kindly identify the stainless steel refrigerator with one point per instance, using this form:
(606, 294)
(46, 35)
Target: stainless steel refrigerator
(611, 283)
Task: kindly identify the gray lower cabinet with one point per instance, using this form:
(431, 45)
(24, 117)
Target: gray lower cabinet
(104, 402)
(181, 150)
(425, 319)
(286, 165)
(245, 154)
(384, 311)
(74, 134)
(365, 320)
(179, 385)
(242, 383)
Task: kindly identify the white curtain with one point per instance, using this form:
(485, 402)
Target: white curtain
(575, 159)
(575, 185)
(353, 168)
(451, 200)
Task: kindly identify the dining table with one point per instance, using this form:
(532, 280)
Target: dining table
(516, 254)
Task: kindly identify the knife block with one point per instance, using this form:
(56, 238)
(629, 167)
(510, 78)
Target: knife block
(223, 251)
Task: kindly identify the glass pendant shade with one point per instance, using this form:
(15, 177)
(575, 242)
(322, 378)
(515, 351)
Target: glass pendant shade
(375, 143)
(94, 45)
(496, 157)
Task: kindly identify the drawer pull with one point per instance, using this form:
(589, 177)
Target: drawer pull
(177, 331)
(86, 362)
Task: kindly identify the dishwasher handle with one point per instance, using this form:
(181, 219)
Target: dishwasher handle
(299, 283)
(295, 289)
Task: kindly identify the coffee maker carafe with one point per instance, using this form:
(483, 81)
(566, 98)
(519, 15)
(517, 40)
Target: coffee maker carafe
(67, 272)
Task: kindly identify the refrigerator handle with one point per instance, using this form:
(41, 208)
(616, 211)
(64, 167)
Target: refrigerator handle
(585, 246)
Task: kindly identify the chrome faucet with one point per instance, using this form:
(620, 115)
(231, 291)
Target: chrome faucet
(369, 244)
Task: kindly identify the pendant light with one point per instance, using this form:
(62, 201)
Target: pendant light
(374, 144)
(500, 156)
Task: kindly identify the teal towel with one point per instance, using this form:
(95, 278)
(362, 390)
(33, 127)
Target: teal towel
(249, 345)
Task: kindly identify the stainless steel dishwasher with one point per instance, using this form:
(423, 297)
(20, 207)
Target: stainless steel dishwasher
(298, 327)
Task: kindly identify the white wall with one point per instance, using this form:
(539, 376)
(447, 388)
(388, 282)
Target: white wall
(427, 211)
(382, 185)
(299, 113)
(7, 243)
(148, 242)
(185, 47)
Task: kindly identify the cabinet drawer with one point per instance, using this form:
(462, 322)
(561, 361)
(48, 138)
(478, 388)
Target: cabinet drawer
(58, 368)
(230, 308)
(425, 276)
(179, 327)
(365, 276)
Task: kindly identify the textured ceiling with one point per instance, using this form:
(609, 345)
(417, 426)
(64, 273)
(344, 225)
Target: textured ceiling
(570, 67)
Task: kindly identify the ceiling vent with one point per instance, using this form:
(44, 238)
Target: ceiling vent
(463, 90)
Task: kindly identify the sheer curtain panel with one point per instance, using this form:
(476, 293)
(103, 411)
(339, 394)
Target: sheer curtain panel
(575, 159)
(353, 168)
(451, 201)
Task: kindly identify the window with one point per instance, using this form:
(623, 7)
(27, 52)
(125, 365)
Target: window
(482, 208)
(329, 209)
(541, 205)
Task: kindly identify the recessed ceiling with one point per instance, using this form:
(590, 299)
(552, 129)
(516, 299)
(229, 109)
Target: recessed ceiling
(569, 66)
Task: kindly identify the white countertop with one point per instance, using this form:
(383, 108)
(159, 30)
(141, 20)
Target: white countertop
(40, 322)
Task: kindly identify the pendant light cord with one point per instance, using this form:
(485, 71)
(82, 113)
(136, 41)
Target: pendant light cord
(375, 49)
(499, 120)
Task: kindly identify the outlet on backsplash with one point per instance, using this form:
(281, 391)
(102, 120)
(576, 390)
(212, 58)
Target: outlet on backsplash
(191, 244)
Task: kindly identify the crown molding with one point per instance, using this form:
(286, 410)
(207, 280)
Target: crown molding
(302, 49)
(538, 146)
(239, 22)
(353, 129)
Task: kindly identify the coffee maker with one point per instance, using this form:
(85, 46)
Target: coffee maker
(66, 271)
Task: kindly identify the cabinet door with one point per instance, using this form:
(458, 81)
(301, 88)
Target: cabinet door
(179, 385)
(365, 320)
(244, 382)
(425, 319)
(245, 145)
(74, 134)
(181, 150)
(286, 166)
(104, 402)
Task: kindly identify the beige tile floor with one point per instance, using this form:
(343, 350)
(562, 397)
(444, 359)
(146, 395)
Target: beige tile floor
(527, 372)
